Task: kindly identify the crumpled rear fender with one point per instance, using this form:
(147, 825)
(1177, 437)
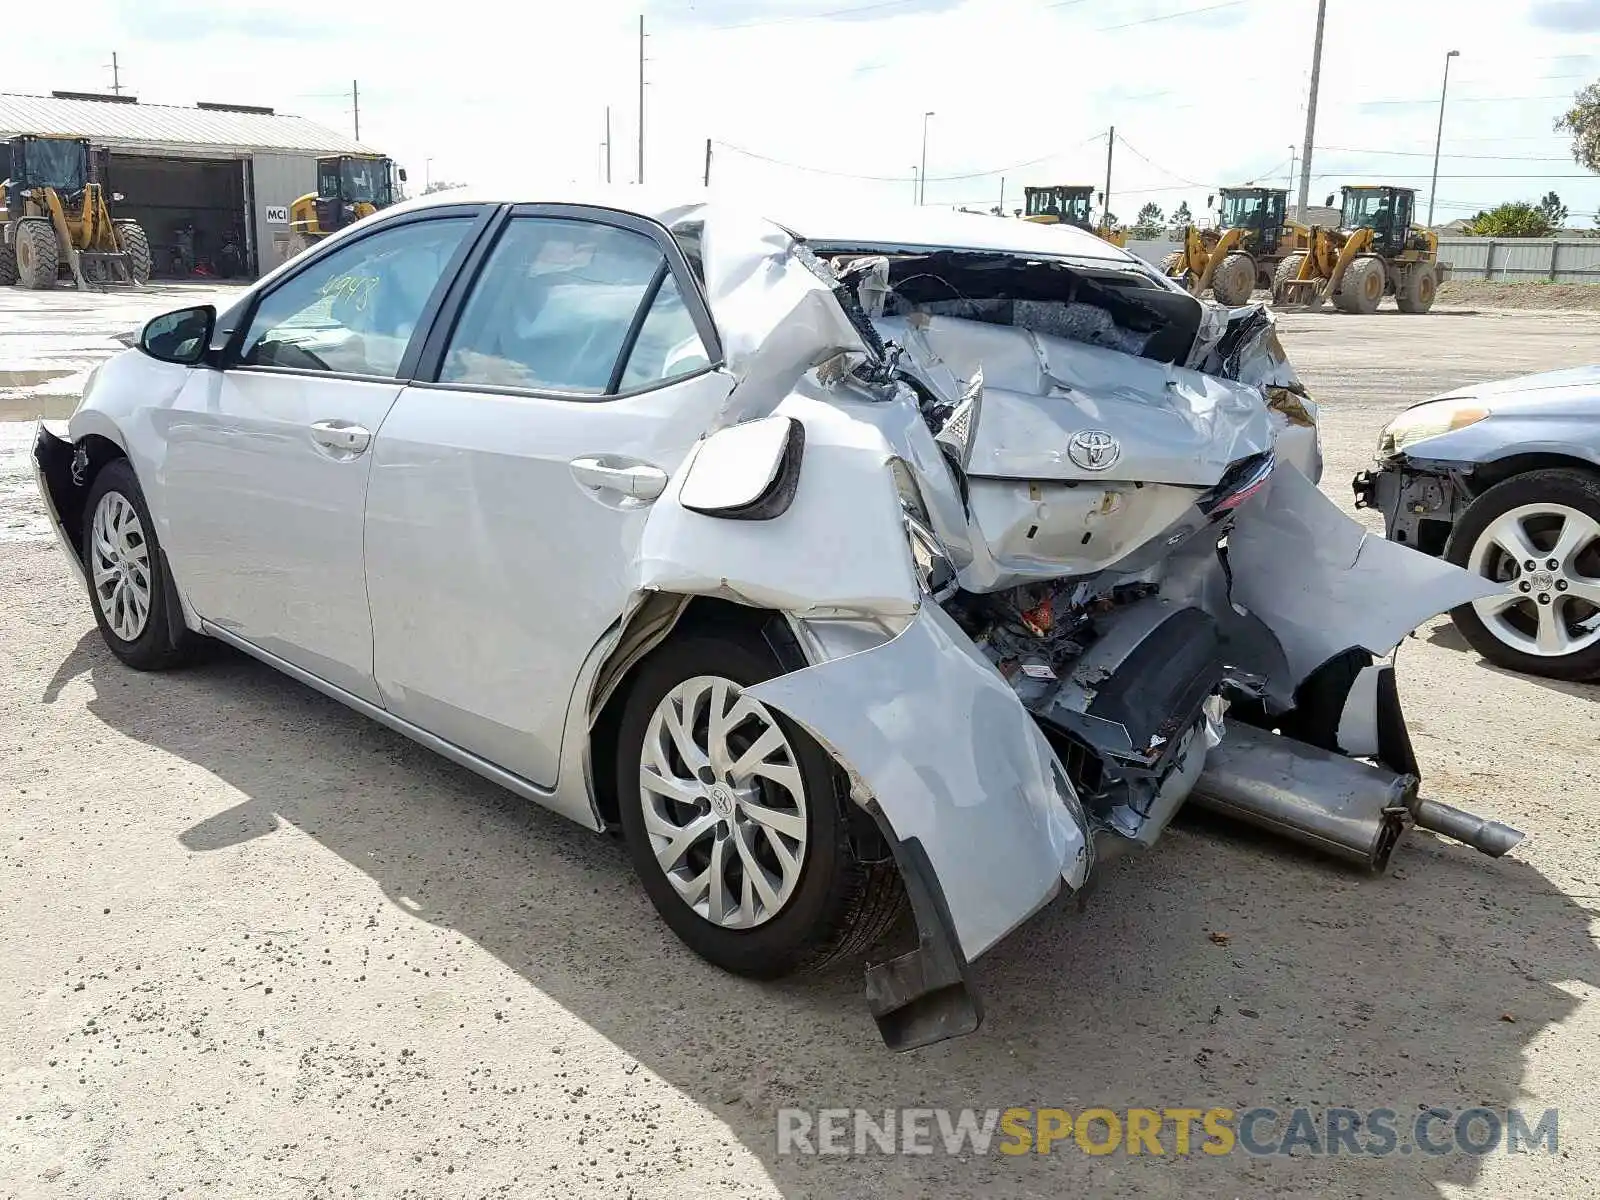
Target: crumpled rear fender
(955, 762)
(838, 550)
(1322, 584)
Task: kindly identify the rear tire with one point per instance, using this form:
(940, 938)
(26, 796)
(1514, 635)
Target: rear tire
(37, 254)
(1233, 279)
(1361, 289)
(790, 822)
(1421, 286)
(128, 586)
(137, 247)
(8, 262)
(1288, 269)
(1172, 265)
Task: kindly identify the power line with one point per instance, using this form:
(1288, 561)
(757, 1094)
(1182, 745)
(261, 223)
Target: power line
(793, 166)
(1137, 154)
(1172, 16)
(1462, 100)
(1429, 154)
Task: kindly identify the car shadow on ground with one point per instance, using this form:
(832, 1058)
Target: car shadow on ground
(1449, 637)
(1218, 970)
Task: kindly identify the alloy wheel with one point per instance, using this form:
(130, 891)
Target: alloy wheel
(724, 802)
(1548, 557)
(120, 566)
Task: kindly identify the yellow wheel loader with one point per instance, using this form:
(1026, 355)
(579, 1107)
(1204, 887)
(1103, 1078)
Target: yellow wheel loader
(1068, 204)
(55, 219)
(1376, 251)
(349, 187)
(1242, 253)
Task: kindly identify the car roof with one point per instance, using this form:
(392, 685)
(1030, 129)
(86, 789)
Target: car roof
(908, 226)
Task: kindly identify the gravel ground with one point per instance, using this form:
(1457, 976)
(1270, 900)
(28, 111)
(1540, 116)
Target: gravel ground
(1532, 295)
(256, 946)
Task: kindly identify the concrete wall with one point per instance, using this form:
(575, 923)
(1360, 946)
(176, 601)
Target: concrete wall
(1153, 252)
(277, 181)
(1559, 260)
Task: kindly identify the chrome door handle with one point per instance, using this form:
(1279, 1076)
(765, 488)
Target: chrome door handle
(344, 439)
(641, 481)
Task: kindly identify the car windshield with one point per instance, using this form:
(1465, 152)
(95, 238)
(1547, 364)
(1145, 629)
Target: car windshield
(56, 163)
(364, 179)
(1060, 202)
(1366, 210)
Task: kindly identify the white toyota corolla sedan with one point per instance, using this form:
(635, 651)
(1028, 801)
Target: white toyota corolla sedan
(839, 564)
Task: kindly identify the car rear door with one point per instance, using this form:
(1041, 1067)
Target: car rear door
(267, 459)
(512, 478)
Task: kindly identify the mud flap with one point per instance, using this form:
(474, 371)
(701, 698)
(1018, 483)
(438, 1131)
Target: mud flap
(925, 995)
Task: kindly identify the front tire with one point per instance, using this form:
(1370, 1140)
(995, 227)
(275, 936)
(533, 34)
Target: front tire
(128, 587)
(1421, 286)
(1233, 279)
(1288, 269)
(37, 254)
(1547, 622)
(137, 247)
(734, 818)
(1361, 289)
(8, 262)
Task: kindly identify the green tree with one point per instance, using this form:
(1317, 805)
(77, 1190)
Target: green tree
(1150, 222)
(1553, 209)
(1582, 121)
(1514, 219)
(1181, 219)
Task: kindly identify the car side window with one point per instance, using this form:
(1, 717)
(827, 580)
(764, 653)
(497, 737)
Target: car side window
(553, 307)
(668, 345)
(355, 311)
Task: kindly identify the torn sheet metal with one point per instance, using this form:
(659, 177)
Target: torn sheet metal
(1322, 584)
(839, 549)
(953, 759)
(1170, 424)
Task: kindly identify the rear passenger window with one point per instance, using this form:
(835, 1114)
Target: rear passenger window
(668, 344)
(554, 307)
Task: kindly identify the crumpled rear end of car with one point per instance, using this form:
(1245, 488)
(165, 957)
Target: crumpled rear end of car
(1057, 560)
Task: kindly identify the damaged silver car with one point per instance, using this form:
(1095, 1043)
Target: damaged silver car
(841, 565)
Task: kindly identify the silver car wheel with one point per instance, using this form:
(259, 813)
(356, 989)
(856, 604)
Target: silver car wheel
(120, 566)
(724, 802)
(1548, 556)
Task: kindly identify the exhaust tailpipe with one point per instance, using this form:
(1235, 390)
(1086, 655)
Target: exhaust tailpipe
(1339, 805)
(1342, 806)
(1490, 837)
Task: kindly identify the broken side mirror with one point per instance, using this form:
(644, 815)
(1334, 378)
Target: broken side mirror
(747, 472)
(180, 337)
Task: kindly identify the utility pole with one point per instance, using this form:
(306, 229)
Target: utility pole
(1105, 196)
(916, 195)
(1293, 156)
(641, 97)
(1002, 195)
(1311, 114)
(608, 143)
(707, 181)
(1438, 138)
(116, 76)
(355, 104)
(922, 194)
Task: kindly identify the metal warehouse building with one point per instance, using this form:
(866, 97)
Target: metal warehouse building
(193, 177)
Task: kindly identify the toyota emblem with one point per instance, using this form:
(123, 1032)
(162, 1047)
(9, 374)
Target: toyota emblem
(1094, 449)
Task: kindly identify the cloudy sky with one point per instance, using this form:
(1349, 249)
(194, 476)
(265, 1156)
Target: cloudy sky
(827, 96)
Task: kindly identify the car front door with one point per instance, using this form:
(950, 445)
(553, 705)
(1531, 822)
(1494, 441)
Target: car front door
(267, 458)
(511, 480)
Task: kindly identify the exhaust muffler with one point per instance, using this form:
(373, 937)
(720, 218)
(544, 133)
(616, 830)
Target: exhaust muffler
(1342, 806)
